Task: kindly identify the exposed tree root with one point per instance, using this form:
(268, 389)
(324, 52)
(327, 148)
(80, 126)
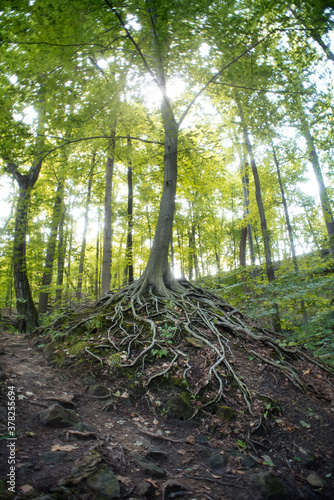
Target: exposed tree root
(160, 332)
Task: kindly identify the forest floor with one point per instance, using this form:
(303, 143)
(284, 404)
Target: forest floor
(122, 448)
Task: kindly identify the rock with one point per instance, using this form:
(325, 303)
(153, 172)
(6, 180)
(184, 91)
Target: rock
(174, 489)
(104, 484)
(217, 461)
(148, 466)
(87, 380)
(57, 416)
(202, 440)
(49, 353)
(195, 342)
(82, 427)
(109, 406)
(180, 407)
(308, 461)
(314, 480)
(247, 462)
(3, 413)
(144, 489)
(54, 457)
(156, 453)
(271, 487)
(226, 413)
(305, 493)
(98, 390)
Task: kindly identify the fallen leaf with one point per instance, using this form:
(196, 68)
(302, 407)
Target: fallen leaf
(268, 461)
(26, 488)
(31, 434)
(127, 481)
(190, 440)
(155, 421)
(63, 447)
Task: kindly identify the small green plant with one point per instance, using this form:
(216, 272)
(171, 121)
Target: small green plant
(268, 408)
(159, 352)
(167, 331)
(241, 445)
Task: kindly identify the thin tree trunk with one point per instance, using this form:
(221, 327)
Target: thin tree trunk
(129, 242)
(84, 235)
(181, 251)
(51, 248)
(107, 244)
(97, 259)
(61, 261)
(314, 33)
(289, 228)
(314, 159)
(69, 236)
(264, 229)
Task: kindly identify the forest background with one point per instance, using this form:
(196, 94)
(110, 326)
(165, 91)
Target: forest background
(92, 95)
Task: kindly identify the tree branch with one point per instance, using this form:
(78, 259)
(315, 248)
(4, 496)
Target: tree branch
(219, 73)
(261, 90)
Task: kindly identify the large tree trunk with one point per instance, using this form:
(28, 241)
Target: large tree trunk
(157, 273)
(51, 248)
(107, 234)
(84, 235)
(28, 316)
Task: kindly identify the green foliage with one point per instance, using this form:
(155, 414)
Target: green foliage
(314, 284)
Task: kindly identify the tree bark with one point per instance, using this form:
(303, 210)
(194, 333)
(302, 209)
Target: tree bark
(61, 260)
(314, 159)
(107, 236)
(289, 228)
(51, 248)
(129, 242)
(264, 229)
(84, 235)
(28, 316)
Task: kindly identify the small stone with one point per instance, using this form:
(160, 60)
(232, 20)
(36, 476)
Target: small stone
(217, 461)
(195, 342)
(314, 480)
(247, 462)
(88, 380)
(148, 466)
(144, 489)
(82, 427)
(156, 453)
(226, 413)
(54, 457)
(57, 416)
(180, 407)
(104, 484)
(305, 493)
(98, 390)
(271, 487)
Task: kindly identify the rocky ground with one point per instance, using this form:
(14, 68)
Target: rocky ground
(81, 437)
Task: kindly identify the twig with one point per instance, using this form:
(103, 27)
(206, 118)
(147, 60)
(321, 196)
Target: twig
(159, 436)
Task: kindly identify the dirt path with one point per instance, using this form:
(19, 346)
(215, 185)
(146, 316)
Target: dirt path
(119, 440)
